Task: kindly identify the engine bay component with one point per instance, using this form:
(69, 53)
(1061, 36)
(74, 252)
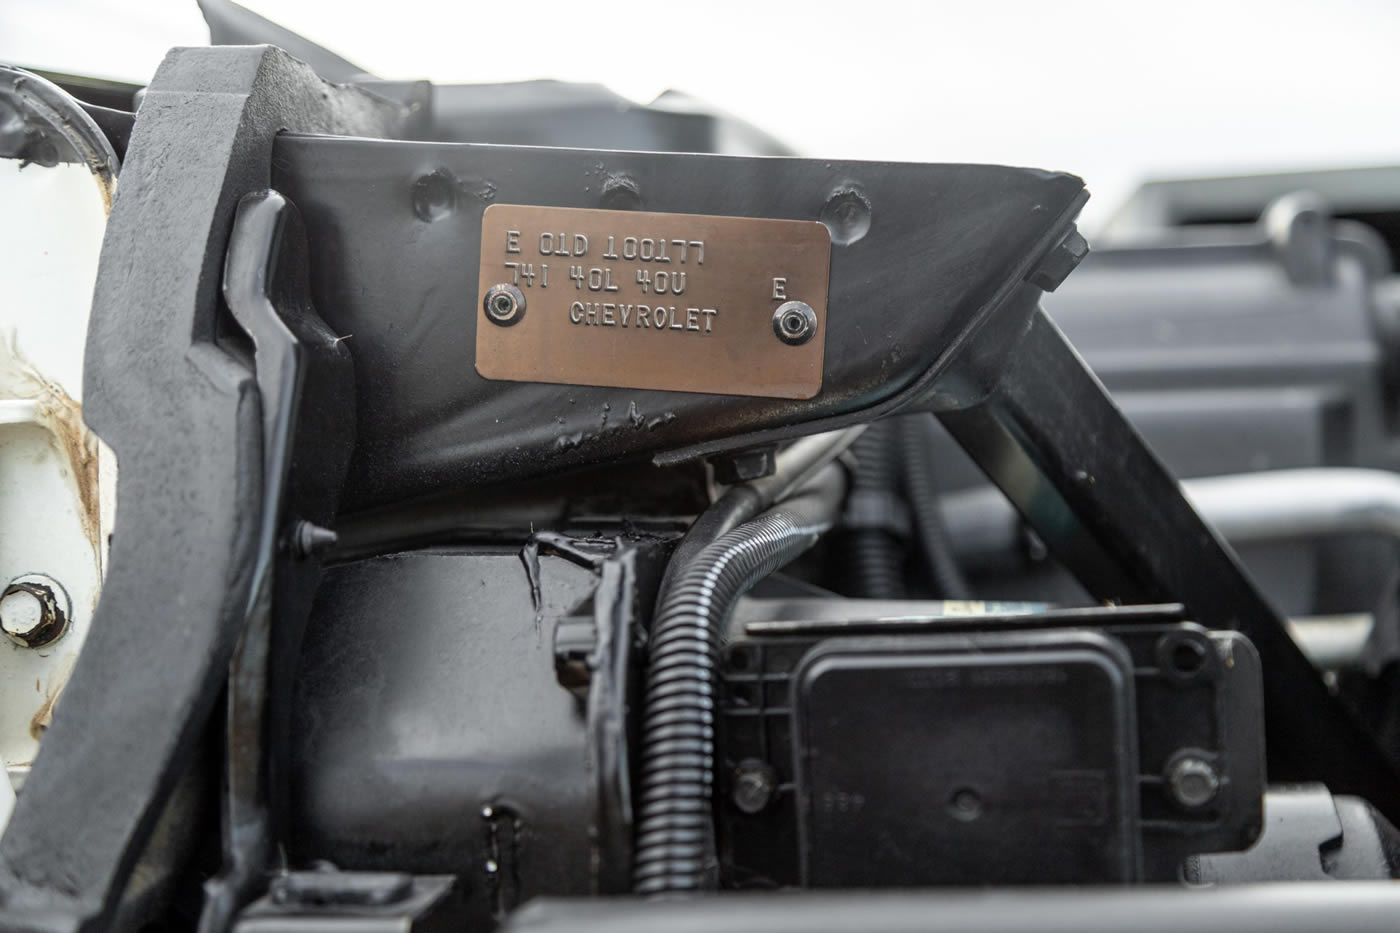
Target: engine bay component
(422, 434)
(388, 775)
(557, 519)
(675, 829)
(1134, 737)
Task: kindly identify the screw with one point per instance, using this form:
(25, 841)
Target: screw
(34, 610)
(794, 322)
(754, 784)
(1193, 782)
(504, 304)
(310, 539)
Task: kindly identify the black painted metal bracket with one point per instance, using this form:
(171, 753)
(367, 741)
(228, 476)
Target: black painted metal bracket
(923, 257)
(306, 382)
(1045, 430)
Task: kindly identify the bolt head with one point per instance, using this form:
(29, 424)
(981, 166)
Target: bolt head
(754, 785)
(21, 612)
(1193, 782)
(34, 611)
(1061, 261)
(745, 466)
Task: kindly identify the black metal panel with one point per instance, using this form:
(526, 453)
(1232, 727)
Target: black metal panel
(587, 116)
(924, 254)
(522, 113)
(434, 734)
(231, 24)
(427, 693)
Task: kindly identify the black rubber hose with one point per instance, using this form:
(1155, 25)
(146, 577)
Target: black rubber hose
(675, 841)
(735, 506)
(916, 453)
(875, 516)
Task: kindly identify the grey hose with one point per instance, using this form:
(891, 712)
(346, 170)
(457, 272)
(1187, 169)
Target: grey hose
(675, 844)
(795, 464)
(1247, 507)
(1299, 503)
(800, 461)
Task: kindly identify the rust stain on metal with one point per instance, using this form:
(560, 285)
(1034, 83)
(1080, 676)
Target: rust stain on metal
(107, 184)
(62, 418)
(43, 716)
(635, 299)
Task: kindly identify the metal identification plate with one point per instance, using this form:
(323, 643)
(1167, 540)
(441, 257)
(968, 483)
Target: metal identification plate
(683, 302)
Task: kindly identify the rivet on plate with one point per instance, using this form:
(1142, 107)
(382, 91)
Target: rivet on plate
(794, 322)
(504, 305)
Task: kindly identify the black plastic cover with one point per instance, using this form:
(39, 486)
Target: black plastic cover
(906, 729)
(934, 759)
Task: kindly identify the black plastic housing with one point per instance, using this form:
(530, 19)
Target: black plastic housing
(902, 754)
(905, 758)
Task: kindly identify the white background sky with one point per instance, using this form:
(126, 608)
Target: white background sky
(1113, 91)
